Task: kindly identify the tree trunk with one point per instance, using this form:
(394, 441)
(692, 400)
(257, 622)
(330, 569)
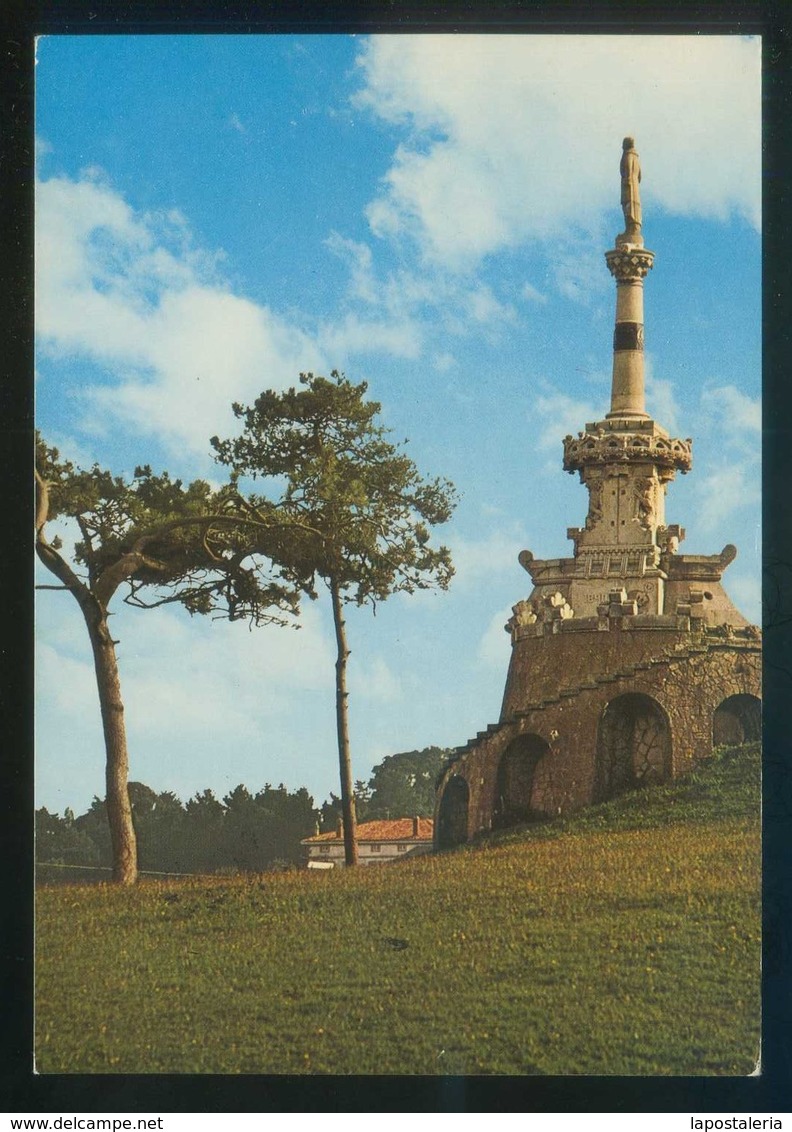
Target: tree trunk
(119, 811)
(342, 721)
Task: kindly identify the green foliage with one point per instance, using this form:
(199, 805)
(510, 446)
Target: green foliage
(330, 812)
(403, 785)
(727, 786)
(360, 512)
(203, 833)
(60, 841)
(608, 950)
(94, 825)
(244, 833)
(206, 549)
(266, 828)
(357, 509)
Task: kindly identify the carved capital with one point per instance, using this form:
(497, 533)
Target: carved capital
(627, 264)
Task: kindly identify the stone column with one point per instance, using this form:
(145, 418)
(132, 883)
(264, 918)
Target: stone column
(629, 266)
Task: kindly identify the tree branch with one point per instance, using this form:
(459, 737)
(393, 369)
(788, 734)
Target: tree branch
(208, 521)
(42, 503)
(47, 553)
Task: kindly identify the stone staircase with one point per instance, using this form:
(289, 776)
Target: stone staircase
(569, 691)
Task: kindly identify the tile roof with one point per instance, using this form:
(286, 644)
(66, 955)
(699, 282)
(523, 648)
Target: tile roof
(400, 829)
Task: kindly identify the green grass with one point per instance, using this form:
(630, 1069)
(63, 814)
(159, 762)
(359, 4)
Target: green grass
(623, 941)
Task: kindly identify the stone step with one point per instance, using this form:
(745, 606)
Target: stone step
(683, 653)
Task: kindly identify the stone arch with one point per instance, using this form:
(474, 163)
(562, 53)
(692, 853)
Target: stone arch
(514, 783)
(452, 816)
(633, 745)
(737, 719)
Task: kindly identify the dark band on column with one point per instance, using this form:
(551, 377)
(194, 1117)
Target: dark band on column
(628, 336)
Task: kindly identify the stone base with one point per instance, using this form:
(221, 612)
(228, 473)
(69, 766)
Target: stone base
(597, 721)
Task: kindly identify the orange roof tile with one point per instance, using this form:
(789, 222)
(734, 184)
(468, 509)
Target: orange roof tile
(400, 829)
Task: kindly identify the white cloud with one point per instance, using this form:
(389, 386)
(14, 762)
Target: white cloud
(482, 306)
(358, 259)
(199, 697)
(42, 147)
(562, 415)
(532, 294)
(737, 415)
(577, 272)
(207, 703)
(723, 490)
(354, 335)
(374, 680)
(477, 560)
(444, 362)
(130, 291)
(730, 424)
(661, 401)
(538, 157)
(69, 681)
(494, 646)
(746, 593)
(191, 673)
(401, 297)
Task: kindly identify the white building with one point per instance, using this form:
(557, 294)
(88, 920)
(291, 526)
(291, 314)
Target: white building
(378, 843)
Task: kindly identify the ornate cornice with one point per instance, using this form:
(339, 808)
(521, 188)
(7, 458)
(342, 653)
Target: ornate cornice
(607, 447)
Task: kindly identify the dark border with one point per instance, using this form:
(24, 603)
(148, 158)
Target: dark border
(19, 1089)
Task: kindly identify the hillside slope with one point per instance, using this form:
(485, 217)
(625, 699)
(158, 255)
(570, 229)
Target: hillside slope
(622, 941)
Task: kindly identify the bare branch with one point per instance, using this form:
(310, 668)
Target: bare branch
(210, 554)
(42, 502)
(86, 533)
(132, 599)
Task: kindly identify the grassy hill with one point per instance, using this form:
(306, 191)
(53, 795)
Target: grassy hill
(625, 940)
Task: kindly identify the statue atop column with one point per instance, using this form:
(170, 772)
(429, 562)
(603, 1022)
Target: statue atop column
(630, 169)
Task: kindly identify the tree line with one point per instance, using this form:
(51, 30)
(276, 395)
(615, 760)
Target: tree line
(346, 511)
(242, 832)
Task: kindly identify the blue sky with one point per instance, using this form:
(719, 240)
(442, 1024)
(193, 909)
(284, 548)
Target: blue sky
(428, 213)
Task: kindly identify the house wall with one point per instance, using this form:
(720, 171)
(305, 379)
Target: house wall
(367, 854)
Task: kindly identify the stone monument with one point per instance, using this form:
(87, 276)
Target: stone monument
(629, 662)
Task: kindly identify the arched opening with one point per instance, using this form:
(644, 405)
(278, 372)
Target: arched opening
(633, 745)
(737, 720)
(452, 817)
(515, 781)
